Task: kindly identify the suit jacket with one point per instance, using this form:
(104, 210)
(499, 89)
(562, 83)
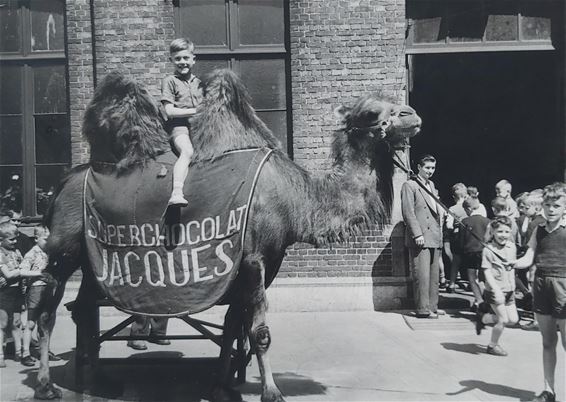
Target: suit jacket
(421, 216)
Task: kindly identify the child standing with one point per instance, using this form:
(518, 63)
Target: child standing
(35, 260)
(499, 283)
(10, 293)
(471, 247)
(451, 248)
(474, 193)
(546, 249)
(503, 189)
(181, 93)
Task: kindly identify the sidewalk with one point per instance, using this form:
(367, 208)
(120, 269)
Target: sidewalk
(330, 356)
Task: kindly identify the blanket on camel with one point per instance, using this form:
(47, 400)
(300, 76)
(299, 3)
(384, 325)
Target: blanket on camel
(151, 259)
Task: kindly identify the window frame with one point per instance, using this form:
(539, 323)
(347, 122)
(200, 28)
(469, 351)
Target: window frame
(234, 53)
(26, 60)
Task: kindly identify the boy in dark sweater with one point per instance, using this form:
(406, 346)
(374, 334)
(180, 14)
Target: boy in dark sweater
(470, 245)
(546, 249)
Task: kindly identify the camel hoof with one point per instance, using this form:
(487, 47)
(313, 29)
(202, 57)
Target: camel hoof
(222, 394)
(47, 392)
(273, 395)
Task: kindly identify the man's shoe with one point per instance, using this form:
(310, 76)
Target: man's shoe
(137, 345)
(450, 289)
(496, 351)
(28, 361)
(531, 326)
(422, 315)
(545, 396)
(162, 342)
(440, 312)
(2, 362)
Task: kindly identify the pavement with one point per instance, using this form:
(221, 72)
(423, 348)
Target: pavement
(315, 356)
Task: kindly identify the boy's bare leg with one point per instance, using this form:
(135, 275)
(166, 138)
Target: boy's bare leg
(475, 285)
(3, 324)
(27, 342)
(547, 325)
(184, 146)
(17, 335)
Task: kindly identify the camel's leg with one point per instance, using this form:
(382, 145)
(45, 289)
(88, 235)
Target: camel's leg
(256, 307)
(232, 326)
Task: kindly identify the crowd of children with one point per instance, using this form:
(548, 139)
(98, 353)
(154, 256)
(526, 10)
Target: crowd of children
(519, 251)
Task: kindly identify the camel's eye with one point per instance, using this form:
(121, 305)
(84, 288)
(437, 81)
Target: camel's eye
(405, 113)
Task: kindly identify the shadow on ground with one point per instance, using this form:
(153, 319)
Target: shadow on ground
(470, 348)
(494, 389)
(157, 376)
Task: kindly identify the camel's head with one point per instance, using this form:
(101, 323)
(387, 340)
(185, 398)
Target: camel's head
(122, 123)
(374, 119)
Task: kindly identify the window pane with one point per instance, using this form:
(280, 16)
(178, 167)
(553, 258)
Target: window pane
(204, 22)
(50, 90)
(47, 25)
(425, 18)
(536, 20)
(203, 67)
(10, 90)
(502, 21)
(11, 188)
(9, 26)
(261, 22)
(52, 139)
(277, 122)
(48, 178)
(265, 80)
(466, 21)
(10, 140)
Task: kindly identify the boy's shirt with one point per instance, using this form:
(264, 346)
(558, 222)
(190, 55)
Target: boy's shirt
(182, 92)
(478, 225)
(9, 259)
(35, 260)
(504, 278)
(548, 246)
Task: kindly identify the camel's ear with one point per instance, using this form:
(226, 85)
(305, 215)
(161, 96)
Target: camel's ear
(342, 113)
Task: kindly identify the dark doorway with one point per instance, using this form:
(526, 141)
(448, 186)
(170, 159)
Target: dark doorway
(489, 116)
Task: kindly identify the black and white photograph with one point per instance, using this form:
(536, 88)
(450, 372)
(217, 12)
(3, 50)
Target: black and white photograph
(283, 200)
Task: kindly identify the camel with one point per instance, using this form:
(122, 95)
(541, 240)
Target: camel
(123, 127)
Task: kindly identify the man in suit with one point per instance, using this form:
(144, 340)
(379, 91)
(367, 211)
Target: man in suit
(423, 237)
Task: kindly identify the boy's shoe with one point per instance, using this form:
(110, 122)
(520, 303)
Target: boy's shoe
(53, 357)
(440, 312)
(545, 396)
(479, 323)
(162, 342)
(496, 351)
(531, 326)
(28, 361)
(177, 199)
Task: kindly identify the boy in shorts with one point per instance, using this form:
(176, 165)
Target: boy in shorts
(35, 260)
(499, 283)
(546, 249)
(181, 93)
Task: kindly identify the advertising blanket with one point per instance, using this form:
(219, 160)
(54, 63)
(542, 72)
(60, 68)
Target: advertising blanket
(151, 259)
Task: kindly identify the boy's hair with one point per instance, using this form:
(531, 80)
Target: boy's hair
(181, 44)
(40, 231)
(504, 183)
(471, 203)
(499, 204)
(500, 221)
(473, 191)
(426, 158)
(554, 191)
(7, 229)
(522, 198)
(459, 191)
(534, 199)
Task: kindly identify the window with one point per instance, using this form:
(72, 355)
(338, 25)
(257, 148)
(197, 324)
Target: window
(250, 37)
(35, 143)
(480, 25)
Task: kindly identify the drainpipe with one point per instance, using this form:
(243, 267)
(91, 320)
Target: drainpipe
(93, 43)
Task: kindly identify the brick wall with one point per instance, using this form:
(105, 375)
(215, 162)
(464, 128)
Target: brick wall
(341, 50)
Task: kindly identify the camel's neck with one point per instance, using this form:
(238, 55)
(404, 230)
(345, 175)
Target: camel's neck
(340, 204)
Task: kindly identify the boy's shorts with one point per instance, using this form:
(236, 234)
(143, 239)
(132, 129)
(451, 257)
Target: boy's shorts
(33, 299)
(489, 297)
(177, 127)
(549, 296)
(10, 306)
